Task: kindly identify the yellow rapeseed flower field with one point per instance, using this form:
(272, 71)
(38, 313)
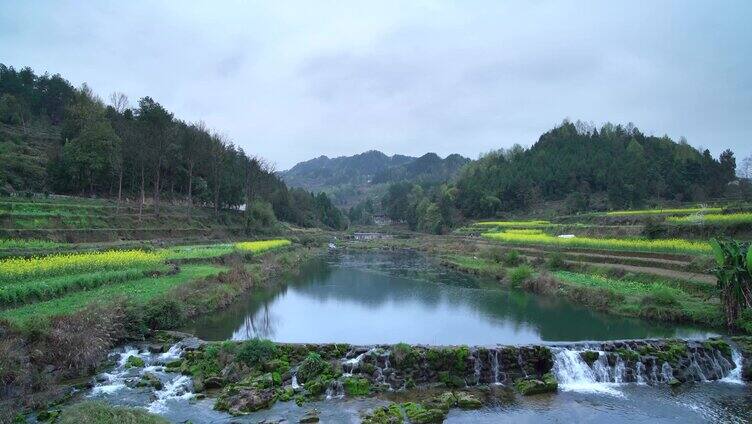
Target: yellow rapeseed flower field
(262, 245)
(661, 245)
(23, 268)
(713, 218)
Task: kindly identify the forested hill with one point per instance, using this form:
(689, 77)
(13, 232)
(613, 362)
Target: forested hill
(55, 138)
(350, 179)
(322, 172)
(580, 163)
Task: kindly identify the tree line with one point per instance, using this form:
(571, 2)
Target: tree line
(120, 151)
(576, 167)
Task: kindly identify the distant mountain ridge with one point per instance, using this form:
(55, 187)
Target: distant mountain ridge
(351, 178)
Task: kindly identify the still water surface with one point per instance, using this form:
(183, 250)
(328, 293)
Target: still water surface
(378, 297)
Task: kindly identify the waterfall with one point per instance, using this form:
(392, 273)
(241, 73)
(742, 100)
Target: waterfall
(574, 374)
(495, 366)
(735, 376)
(335, 390)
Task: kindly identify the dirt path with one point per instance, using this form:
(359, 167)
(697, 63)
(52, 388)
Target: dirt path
(670, 273)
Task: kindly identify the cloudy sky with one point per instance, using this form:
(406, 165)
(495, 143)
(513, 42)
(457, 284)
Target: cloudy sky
(293, 80)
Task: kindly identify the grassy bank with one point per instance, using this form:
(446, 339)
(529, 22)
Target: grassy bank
(85, 314)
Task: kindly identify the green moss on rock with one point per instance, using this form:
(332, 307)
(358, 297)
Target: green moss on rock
(134, 361)
(534, 386)
(356, 386)
(419, 414)
(589, 356)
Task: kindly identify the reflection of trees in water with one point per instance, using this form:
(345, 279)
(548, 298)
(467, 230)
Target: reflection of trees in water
(260, 324)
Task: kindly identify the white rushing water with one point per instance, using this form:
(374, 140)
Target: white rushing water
(735, 376)
(574, 374)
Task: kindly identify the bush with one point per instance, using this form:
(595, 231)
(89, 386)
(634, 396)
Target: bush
(555, 260)
(519, 274)
(512, 258)
(102, 413)
(255, 352)
(164, 313)
(260, 218)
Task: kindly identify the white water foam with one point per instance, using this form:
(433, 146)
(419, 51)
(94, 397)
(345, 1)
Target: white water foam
(178, 388)
(573, 374)
(735, 376)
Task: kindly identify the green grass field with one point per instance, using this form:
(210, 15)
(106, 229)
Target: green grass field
(139, 290)
(715, 219)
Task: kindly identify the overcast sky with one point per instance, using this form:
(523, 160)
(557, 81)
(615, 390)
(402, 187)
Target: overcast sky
(294, 80)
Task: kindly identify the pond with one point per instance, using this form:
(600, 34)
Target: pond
(405, 296)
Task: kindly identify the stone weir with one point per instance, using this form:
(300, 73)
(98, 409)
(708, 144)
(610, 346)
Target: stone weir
(252, 375)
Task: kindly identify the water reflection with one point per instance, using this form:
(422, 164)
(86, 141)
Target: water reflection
(391, 297)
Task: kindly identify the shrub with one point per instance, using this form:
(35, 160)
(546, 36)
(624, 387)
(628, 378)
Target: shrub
(512, 258)
(519, 274)
(256, 351)
(164, 313)
(357, 386)
(260, 218)
(555, 260)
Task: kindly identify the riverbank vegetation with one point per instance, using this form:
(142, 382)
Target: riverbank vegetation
(68, 323)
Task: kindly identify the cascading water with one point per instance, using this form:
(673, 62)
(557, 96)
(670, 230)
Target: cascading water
(735, 376)
(574, 374)
(495, 367)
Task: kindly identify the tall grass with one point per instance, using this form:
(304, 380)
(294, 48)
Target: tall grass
(716, 218)
(638, 245)
(676, 211)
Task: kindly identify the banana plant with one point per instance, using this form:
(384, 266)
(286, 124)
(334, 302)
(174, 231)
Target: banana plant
(734, 273)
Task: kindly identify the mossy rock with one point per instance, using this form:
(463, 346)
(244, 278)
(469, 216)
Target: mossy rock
(468, 401)
(356, 386)
(134, 362)
(628, 354)
(404, 357)
(719, 345)
(312, 367)
(317, 386)
(589, 356)
(419, 414)
(534, 386)
(391, 414)
(174, 364)
(150, 380)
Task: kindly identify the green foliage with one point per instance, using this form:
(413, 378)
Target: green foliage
(164, 313)
(312, 367)
(512, 258)
(256, 352)
(134, 361)
(356, 386)
(734, 274)
(91, 412)
(520, 274)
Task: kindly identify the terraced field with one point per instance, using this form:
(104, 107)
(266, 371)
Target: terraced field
(58, 284)
(85, 220)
